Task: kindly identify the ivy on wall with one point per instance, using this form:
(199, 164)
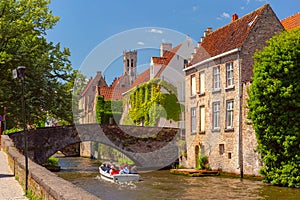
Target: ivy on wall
(151, 101)
(106, 109)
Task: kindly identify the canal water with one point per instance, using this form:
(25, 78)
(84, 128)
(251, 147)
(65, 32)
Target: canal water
(83, 172)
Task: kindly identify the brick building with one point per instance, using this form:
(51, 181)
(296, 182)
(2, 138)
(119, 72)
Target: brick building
(216, 82)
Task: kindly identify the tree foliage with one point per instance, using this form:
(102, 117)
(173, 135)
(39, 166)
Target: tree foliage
(106, 109)
(49, 75)
(274, 108)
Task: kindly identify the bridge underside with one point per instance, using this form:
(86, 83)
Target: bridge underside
(148, 147)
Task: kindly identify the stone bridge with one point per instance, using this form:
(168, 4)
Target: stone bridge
(148, 147)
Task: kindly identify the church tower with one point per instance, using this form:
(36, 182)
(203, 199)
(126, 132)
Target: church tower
(130, 60)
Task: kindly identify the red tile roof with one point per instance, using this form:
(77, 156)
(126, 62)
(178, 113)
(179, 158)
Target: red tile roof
(228, 37)
(167, 58)
(142, 78)
(116, 81)
(110, 93)
(291, 22)
(159, 60)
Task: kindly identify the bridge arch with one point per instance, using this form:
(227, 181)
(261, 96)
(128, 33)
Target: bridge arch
(148, 147)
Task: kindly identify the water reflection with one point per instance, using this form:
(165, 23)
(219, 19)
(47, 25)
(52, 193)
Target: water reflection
(163, 185)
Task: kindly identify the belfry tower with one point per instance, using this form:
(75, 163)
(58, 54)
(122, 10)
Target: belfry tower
(130, 60)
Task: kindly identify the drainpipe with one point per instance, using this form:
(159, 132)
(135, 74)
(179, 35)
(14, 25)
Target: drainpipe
(240, 140)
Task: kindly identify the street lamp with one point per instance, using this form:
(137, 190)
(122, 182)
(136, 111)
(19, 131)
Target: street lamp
(20, 73)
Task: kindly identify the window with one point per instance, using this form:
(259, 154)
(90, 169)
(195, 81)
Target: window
(221, 149)
(229, 74)
(229, 155)
(216, 115)
(131, 62)
(193, 85)
(216, 79)
(202, 83)
(202, 119)
(193, 120)
(229, 114)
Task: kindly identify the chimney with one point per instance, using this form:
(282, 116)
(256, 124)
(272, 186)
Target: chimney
(234, 17)
(164, 47)
(207, 31)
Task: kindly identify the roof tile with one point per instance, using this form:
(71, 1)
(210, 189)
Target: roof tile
(291, 22)
(227, 37)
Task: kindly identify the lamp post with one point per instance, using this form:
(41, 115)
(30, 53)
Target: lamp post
(20, 73)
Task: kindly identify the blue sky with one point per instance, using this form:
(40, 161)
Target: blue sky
(97, 31)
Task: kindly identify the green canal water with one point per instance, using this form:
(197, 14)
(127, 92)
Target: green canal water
(83, 172)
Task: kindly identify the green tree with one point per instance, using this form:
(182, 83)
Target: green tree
(49, 75)
(106, 109)
(274, 108)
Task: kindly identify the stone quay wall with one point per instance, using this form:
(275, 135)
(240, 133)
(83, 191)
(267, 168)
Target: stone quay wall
(43, 183)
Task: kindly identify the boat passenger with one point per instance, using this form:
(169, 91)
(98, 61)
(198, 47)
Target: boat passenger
(106, 168)
(133, 170)
(114, 170)
(124, 169)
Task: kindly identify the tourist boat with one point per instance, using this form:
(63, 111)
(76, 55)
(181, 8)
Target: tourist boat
(119, 177)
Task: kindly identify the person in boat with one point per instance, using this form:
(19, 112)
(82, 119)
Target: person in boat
(105, 167)
(124, 169)
(133, 170)
(114, 170)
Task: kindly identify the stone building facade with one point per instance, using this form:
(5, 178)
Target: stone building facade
(216, 80)
(98, 86)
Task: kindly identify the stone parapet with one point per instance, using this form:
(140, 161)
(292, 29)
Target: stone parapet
(43, 183)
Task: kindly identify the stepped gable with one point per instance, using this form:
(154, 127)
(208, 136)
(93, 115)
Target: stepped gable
(113, 92)
(228, 37)
(291, 22)
(116, 81)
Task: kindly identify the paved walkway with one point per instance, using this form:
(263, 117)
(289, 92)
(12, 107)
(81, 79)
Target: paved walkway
(10, 189)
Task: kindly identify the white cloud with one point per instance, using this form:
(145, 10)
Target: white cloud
(141, 43)
(225, 15)
(154, 30)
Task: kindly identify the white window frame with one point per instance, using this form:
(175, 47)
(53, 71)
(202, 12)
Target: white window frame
(229, 114)
(229, 75)
(216, 115)
(202, 83)
(202, 119)
(193, 120)
(216, 78)
(193, 85)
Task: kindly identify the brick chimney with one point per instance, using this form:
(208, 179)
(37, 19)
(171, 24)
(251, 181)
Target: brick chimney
(164, 47)
(234, 17)
(207, 31)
